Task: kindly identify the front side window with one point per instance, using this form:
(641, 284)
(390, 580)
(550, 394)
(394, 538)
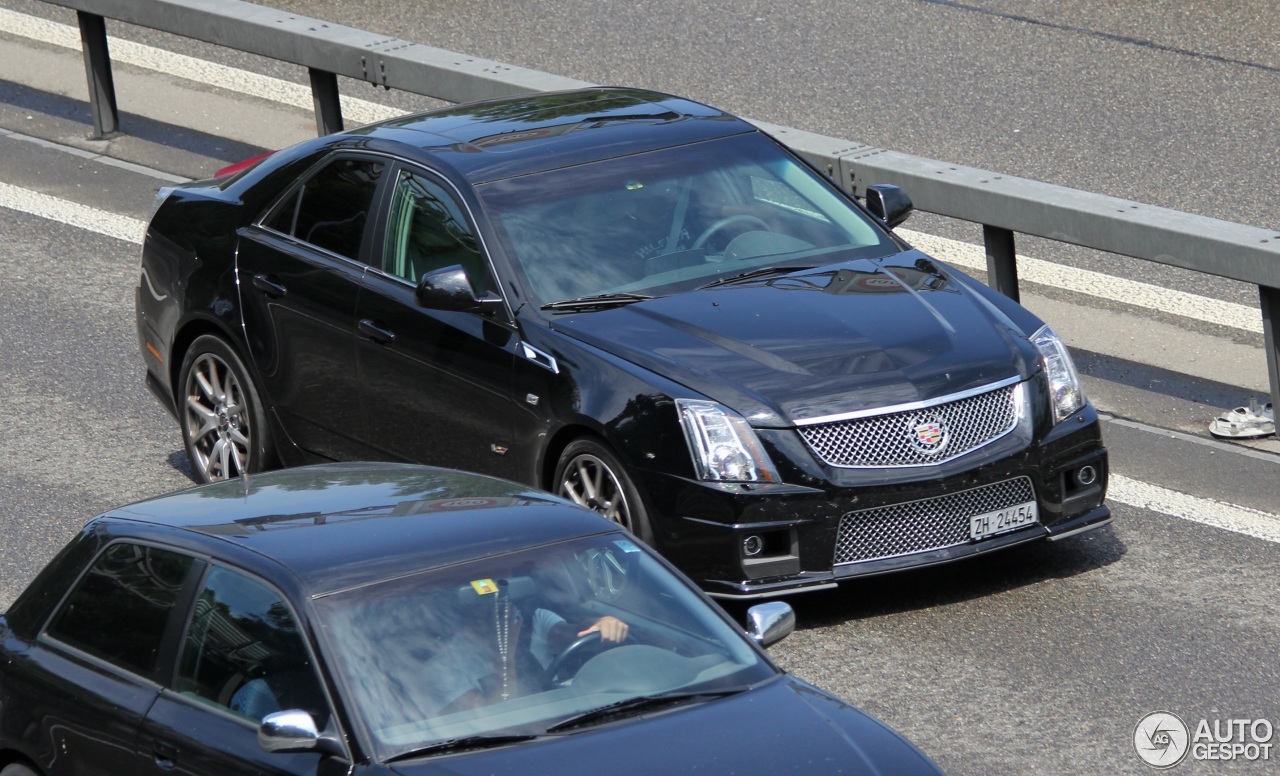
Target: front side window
(427, 231)
(331, 209)
(121, 607)
(243, 651)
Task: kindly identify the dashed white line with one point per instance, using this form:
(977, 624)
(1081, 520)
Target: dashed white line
(72, 213)
(1229, 517)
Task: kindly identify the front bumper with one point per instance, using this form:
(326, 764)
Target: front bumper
(750, 541)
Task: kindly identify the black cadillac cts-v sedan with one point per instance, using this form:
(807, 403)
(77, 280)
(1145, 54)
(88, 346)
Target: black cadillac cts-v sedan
(632, 300)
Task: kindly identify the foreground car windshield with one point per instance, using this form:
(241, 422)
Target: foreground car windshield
(673, 220)
(514, 645)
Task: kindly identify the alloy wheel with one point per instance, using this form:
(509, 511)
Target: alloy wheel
(588, 480)
(217, 419)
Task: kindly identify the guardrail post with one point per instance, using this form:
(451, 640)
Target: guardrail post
(1002, 264)
(97, 68)
(1270, 303)
(324, 92)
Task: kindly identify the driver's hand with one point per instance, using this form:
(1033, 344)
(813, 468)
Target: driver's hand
(610, 628)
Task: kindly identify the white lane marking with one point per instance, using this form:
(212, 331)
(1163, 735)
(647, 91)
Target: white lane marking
(1219, 514)
(1096, 284)
(72, 213)
(355, 110)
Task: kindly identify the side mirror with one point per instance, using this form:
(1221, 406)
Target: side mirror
(449, 289)
(890, 203)
(295, 730)
(767, 624)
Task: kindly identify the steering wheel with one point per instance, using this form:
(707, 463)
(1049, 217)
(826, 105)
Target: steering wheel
(583, 643)
(737, 218)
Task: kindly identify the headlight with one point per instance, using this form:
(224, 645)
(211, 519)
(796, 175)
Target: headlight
(1064, 386)
(724, 447)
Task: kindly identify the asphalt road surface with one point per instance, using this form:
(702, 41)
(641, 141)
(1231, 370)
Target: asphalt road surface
(1038, 660)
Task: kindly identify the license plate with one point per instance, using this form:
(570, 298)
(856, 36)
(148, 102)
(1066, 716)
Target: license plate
(1003, 520)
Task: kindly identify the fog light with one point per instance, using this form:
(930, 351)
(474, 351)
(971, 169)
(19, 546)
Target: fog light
(1087, 475)
(752, 545)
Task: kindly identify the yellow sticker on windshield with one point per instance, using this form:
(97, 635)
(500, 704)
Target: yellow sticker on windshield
(484, 586)
(633, 185)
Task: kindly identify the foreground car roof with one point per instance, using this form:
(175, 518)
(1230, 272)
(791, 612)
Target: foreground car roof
(341, 525)
(516, 136)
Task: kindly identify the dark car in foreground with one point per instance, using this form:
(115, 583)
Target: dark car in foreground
(632, 300)
(388, 618)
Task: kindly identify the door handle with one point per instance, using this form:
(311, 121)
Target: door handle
(376, 332)
(164, 754)
(269, 285)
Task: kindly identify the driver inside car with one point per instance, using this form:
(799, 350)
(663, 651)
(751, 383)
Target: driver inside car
(486, 653)
(561, 618)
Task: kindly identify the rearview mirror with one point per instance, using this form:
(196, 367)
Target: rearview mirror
(889, 203)
(449, 289)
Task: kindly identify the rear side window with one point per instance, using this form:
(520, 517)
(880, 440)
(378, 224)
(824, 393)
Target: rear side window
(121, 607)
(331, 209)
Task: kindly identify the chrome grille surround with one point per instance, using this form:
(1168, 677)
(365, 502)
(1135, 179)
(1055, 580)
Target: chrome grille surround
(927, 524)
(923, 434)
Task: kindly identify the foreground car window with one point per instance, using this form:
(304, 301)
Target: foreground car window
(122, 605)
(672, 220)
(243, 652)
(484, 648)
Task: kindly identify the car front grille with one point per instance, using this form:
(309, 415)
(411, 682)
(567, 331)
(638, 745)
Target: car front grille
(921, 436)
(927, 524)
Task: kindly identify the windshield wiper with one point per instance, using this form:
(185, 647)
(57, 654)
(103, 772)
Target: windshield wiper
(599, 301)
(641, 703)
(753, 274)
(482, 741)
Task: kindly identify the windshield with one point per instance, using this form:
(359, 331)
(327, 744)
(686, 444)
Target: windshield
(513, 645)
(672, 220)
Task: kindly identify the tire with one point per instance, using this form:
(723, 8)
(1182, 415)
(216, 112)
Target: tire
(588, 473)
(224, 425)
(18, 769)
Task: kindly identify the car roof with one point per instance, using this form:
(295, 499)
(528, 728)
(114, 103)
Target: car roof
(337, 526)
(530, 133)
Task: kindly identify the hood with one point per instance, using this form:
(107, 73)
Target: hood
(849, 337)
(784, 727)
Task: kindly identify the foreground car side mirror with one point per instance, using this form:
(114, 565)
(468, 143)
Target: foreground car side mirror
(295, 731)
(889, 203)
(449, 289)
(767, 624)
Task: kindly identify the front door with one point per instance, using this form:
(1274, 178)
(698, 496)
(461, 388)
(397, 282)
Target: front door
(436, 384)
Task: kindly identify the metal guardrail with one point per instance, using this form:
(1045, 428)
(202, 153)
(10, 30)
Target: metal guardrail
(1004, 205)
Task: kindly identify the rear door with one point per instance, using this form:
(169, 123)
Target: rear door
(300, 271)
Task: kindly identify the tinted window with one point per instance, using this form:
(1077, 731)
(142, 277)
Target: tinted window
(428, 231)
(121, 607)
(243, 651)
(332, 208)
